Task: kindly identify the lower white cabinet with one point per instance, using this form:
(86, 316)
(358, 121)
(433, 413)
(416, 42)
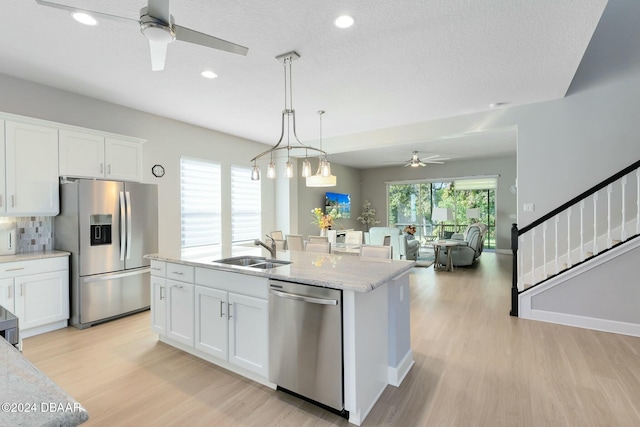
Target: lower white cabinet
(218, 313)
(179, 314)
(233, 327)
(37, 292)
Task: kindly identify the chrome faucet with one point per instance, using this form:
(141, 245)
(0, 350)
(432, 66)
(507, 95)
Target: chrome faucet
(272, 249)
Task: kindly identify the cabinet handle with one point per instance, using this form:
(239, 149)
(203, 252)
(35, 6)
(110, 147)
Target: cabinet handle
(156, 268)
(0, 200)
(9, 292)
(179, 273)
(178, 286)
(101, 167)
(109, 168)
(15, 269)
(229, 311)
(13, 201)
(21, 289)
(161, 293)
(221, 313)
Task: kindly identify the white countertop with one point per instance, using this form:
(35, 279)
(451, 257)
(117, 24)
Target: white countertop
(26, 256)
(347, 272)
(30, 398)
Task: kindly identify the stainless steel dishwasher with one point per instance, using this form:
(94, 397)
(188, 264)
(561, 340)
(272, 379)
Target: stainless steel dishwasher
(305, 342)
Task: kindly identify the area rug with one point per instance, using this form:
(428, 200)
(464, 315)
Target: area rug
(425, 260)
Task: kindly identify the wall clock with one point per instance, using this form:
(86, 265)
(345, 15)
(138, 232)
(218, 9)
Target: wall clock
(158, 171)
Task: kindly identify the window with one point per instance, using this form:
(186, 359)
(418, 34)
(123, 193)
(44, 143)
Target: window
(246, 211)
(412, 203)
(200, 208)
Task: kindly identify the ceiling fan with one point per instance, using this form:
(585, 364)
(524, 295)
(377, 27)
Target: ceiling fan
(157, 24)
(415, 161)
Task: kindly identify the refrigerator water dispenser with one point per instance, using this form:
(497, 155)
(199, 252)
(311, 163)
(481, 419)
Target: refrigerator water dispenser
(100, 229)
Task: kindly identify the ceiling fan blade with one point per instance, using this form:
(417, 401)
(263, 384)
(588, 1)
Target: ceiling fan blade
(158, 55)
(195, 37)
(159, 9)
(433, 162)
(89, 12)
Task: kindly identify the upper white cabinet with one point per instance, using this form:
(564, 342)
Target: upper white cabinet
(91, 155)
(31, 170)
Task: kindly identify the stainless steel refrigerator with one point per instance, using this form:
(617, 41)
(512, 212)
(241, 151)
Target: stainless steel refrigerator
(108, 226)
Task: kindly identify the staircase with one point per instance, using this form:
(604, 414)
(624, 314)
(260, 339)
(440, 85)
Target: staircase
(559, 258)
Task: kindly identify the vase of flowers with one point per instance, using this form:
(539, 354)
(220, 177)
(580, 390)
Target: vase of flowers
(324, 221)
(368, 215)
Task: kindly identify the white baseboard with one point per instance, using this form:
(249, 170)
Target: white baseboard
(603, 325)
(397, 374)
(26, 333)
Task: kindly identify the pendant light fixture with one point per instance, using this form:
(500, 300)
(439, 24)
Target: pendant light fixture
(288, 122)
(323, 177)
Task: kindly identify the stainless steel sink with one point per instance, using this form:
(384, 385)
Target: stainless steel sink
(242, 260)
(253, 262)
(270, 264)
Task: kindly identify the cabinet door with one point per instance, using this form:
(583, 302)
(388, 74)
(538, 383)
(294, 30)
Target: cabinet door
(31, 169)
(158, 305)
(7, 294)
(123, 160)
(81, 154)
(42, 298)
(212, 330)
(3, 195)
(180, 312)
(249, 333)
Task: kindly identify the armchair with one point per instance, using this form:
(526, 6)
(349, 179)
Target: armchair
(471, 245)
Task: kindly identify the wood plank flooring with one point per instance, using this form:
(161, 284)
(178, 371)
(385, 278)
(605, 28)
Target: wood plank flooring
(475, 366)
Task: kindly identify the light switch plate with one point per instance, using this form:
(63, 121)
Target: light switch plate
(529, 207)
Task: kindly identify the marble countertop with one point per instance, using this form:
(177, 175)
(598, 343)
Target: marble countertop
(30, 398)
(337, 271)
(26, 256)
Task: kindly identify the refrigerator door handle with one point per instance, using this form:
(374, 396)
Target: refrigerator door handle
(122, 226)
(128, 196)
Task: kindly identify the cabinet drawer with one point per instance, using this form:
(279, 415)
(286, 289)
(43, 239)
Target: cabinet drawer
(183, 273)
(158, 268)
(244, 284)
(24, 268)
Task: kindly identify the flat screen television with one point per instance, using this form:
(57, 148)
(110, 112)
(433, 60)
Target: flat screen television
(339, 202)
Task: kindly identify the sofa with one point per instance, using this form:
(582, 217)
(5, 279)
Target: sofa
(471, 245)
(402, 249)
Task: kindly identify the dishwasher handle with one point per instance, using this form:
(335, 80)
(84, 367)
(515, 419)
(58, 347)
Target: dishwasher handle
(297, 297)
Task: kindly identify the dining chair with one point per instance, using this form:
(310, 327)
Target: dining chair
(295, 242)
(320, 247)
(317, 239)
(278, 237)
(353, 237)
(376, 252)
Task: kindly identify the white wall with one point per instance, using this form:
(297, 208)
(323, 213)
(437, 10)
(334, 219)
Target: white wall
(167, 140)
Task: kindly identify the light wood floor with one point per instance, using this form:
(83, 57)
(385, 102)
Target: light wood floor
(475, 366)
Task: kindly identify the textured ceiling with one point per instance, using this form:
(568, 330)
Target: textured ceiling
(401, 63)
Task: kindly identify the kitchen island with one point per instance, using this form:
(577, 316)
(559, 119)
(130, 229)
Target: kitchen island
(220, 312)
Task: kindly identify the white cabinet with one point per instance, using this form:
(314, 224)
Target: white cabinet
(212, 322)
(37, 292)
(248, 333)
(31, 170)
(233, 327)
(179, 315)
(158, 306)
(92, 155)
(217, 313)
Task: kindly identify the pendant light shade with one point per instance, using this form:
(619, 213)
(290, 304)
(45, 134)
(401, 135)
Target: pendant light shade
(289, 169)
(271, 170)
(255, 172)
(323, 177)
(306, 168)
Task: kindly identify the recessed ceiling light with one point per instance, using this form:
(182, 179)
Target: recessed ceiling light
(343, 21)
(497, 104)
(209, 74)
(84, 18)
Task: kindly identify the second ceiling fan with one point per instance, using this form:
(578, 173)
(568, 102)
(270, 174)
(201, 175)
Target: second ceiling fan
(416, 161)
(157, 25)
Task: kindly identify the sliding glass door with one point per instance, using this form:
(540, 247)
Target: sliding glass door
(413, 203)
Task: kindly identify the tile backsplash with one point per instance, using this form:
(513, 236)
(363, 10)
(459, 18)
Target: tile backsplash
(33, 233)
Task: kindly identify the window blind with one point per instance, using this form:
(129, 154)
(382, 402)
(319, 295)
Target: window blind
(246, 210)
(200, 207)
(484, 183)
